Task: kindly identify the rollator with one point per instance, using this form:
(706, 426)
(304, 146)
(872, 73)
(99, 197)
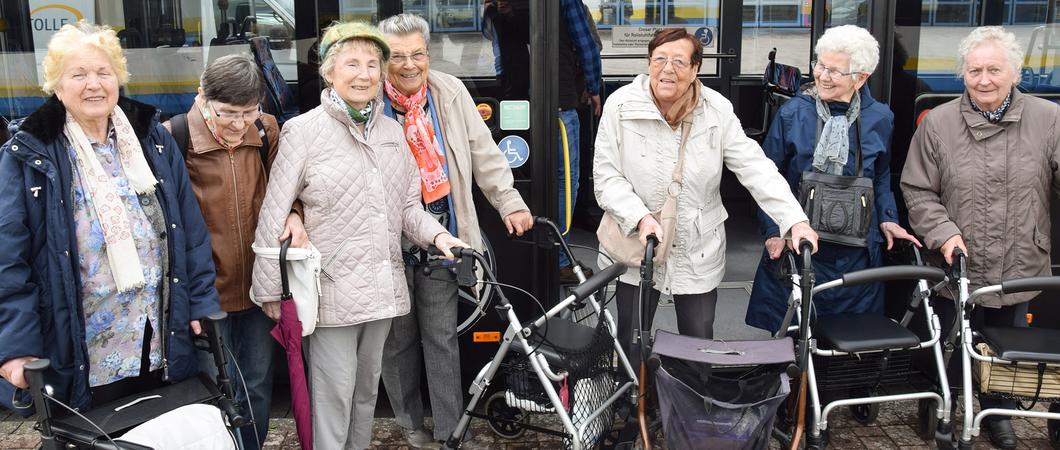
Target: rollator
(550, 365)
(150, 416)
(867, 353)
(718, 394)
(1020, 363)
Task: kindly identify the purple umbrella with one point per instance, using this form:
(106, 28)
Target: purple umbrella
(288, 332)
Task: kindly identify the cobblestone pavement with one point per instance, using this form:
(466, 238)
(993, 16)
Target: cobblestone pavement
(894, 429)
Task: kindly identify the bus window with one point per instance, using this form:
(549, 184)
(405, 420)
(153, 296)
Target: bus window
(167, 43)
(846, 12)
(18, 75)
(626, 26)
(769, 24)
(945, 23)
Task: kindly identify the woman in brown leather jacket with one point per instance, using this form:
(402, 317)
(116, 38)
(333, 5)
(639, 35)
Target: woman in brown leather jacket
(222, 136)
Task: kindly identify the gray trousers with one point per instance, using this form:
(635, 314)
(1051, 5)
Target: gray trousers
(427, 334)
(344, 365)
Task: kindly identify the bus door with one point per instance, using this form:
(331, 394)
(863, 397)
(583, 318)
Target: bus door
(515, 98)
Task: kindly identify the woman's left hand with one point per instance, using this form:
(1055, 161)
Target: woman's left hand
(446, 241)
(892, 231)
(196, 327)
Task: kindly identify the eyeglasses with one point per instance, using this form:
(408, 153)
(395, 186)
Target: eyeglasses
(659, 62)
(824, 71)
(248, 116)
(400, 59)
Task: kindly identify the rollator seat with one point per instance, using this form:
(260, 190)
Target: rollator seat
(854, 333)
(1023, 344)
(559, 338)
(198, 389)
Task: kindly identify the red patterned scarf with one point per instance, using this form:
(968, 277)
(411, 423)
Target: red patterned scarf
(419, 132)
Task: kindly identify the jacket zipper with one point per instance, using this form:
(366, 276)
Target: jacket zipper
(239, 223)
(163, 320)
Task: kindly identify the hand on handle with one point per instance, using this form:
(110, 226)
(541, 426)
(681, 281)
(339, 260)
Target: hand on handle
(956, 241)
(799, 232)
(648, 225)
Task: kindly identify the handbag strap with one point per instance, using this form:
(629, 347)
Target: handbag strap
(686, 128)
(857, 134)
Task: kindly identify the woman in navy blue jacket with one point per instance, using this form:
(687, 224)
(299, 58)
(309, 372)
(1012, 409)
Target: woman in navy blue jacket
(105, 260)
(836, 102)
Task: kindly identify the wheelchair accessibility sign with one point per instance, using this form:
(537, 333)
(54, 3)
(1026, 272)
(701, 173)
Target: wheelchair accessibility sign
(515, 150)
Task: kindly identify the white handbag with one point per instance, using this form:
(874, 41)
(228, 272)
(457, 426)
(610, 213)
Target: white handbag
(303, 272)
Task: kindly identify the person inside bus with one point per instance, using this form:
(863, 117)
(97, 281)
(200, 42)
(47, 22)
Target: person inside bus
(359, 185)
(444, 130)
(979, 176)
(835, 103)
(224, 132)
(636, 150)
(106, 258)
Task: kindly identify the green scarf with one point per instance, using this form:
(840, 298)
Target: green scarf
(359, 116)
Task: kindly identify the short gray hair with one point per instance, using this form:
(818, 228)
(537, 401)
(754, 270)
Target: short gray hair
(233, 79)
(996, 35)
(853, 41)
(404, 24)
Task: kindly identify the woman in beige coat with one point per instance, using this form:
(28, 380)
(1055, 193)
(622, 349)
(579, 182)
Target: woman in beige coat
(352, 170)
(636, 150)
(454, 135)
(979, 176)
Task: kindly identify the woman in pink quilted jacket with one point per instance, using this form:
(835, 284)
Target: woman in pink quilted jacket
(350, 166)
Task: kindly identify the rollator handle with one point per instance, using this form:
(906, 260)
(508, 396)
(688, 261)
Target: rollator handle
(889, 273)
(959, 269)
(598, 280)
(1030, 284)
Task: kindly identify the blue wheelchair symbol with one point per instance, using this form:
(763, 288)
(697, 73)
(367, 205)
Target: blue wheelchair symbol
(515, 150)
(705, 36)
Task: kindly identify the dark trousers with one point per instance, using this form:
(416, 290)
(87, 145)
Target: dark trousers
(695, 315)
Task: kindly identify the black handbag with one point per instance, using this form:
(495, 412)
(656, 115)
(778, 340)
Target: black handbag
(839, 207)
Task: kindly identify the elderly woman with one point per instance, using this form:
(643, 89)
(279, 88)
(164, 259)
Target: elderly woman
(636, 150)
(353, 172)
(822, 129)
(229, 145)
(105, 256)
(451, 145)
(979, 176)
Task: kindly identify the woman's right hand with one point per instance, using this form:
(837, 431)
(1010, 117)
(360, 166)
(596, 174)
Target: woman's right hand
(775, 246)
(272, 310)
(13, 371)
(956, 241)
(647, 226)
(295, 230)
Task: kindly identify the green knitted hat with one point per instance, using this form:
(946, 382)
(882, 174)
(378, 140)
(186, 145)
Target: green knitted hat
(344, 31)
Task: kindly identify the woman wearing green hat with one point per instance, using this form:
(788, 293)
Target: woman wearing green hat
(352, 169)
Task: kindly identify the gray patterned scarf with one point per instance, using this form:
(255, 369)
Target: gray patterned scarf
(830, 155)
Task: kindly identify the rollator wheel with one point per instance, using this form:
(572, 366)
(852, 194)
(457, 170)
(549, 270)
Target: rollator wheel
(512, 427)
(1053, 426)
(926, 423)
(820, 443)
(865, 414)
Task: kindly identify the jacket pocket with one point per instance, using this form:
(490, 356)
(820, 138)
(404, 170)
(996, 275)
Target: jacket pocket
(1041, 240)
(708, 247)
(330, 267)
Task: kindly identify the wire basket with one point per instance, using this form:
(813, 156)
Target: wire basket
(1017, 379)
(864, 370)
(590, 382)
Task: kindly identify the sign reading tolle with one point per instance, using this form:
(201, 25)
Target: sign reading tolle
(46, 17)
